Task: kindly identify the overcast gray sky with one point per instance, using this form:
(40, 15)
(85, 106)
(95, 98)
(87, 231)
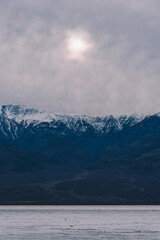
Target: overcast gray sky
(114, 70)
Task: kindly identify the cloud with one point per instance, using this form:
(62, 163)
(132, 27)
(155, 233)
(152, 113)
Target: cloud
(119, 75)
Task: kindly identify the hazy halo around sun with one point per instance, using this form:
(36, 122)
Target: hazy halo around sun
(78, 45)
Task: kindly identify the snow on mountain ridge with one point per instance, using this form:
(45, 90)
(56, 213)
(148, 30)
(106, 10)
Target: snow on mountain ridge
(22, 114)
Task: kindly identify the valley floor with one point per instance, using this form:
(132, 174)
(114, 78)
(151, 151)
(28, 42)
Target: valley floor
(80, 222)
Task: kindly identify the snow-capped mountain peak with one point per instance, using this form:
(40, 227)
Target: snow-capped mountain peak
(18, 115)
(21, 113)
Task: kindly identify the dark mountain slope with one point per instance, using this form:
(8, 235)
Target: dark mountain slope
(55, 158)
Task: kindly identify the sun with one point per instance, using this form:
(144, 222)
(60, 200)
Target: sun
(77, 46)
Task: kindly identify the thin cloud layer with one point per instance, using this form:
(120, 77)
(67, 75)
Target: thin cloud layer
(118, 75)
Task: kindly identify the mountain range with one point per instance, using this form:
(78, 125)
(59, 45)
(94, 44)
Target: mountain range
(52, 158)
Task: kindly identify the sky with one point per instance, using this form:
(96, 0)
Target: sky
(95, 57)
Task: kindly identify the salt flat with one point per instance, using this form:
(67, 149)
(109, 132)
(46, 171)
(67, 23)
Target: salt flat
(79, 222)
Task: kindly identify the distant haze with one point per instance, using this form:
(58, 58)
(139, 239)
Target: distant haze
(95, 57)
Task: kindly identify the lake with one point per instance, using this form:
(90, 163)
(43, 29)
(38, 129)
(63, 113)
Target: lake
(80, 222)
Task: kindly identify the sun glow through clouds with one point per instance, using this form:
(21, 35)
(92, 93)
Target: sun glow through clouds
(78, 44)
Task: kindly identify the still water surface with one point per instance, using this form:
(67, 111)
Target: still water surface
(80, 222)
